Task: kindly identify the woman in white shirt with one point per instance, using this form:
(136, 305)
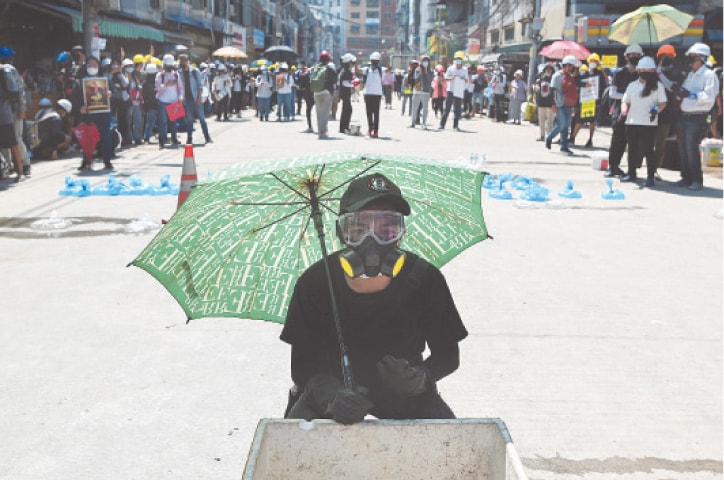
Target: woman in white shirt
(643, 101)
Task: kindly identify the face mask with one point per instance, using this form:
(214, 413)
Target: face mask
(92, 71)
(168, 69)
(648, 76)
(592, 65)
(691, 61)
(372, 259)
(633, 60)
(458, 62)
(375, 63)
(425, 64)
(667, 62)
(128, 69)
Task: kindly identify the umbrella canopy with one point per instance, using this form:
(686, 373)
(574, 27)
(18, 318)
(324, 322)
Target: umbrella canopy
(651, 24)
(281, 53)
(562, 48)
(238, 243)
(230, 51)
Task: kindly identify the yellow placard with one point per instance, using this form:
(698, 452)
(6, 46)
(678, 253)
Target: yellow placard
(588, 109)
(609, 61)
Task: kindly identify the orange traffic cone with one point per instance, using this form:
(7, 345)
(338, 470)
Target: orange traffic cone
(188, 175)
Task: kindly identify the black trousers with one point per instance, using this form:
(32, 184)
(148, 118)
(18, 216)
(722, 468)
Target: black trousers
(640, 145)
(346, 116)
(618, 145)
(427, 405)
(372, 102)
(456, 104)
(498, 99)
(309, 102)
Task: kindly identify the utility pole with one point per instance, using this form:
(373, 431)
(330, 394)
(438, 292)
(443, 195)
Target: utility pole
(90, 19)
(532, 70)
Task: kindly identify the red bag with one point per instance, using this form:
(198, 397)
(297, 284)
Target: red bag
(175, 111)
(570, 92)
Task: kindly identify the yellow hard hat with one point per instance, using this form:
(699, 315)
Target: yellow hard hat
(594, 58)
(138, 58)
(711, 60)
(459, 54)
(583, 68)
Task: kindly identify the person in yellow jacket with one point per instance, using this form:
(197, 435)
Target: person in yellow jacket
(407, 82)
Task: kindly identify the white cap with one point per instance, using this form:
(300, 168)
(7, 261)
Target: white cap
(635, 48)
(375, 56)
(646, 63)
(168, 60)
(151, 68)
(127, 62)
(701, 49)
(569, 60)
(519, 72)
(65, 104)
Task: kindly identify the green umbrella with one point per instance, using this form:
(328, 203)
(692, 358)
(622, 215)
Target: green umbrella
(651, 24)
(237, 245)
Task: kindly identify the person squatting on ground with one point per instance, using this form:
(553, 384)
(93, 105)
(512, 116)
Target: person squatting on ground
(421, 90)
(698, 95)
(621, 81)
(372, 79)
(53, 128)
(346, 77)
(323, 82)
(544, 100)
(457, 77)
(169, 89)
(640, 107)
(193, 106)
(389, 315)
(565, 96)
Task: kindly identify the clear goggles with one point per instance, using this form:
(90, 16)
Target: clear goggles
(384, 226)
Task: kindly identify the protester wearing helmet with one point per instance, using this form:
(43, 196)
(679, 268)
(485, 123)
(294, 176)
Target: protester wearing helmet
(221, 89)
(698, 94)
(458, 79)
(170, 88)
(439, 91)
(669, 76)
(640, 105)
(372, 79)
(53, 128)
(421, 92)
(594, 78)
(499, 83)
(565, 96)
(19, 106)
(346, 86)
(620, 82)
(150, 102)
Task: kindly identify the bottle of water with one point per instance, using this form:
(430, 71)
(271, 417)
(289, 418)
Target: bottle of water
(474, 160)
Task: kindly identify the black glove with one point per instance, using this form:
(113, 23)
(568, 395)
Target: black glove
(349, 406)
(402, 378)
(679, 91)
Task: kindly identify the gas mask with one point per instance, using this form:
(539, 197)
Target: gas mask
(371, 237)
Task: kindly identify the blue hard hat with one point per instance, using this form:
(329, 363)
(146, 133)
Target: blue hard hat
(6, 52)
(45, 102)
(62, 57)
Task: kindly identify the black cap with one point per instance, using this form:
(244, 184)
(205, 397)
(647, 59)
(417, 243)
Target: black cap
(370, 188)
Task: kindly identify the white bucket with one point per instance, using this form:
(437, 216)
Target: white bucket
(599, 160)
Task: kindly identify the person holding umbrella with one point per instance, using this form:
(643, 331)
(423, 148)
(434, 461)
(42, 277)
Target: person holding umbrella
(393, 305)
(621, 81)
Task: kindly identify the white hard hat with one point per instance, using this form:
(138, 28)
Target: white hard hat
(65, 104)
(635, 48)
(701, 49)
(284, 65)
(203, 65)
(222, 67)
(348, 57)
(569, 60)
(375, 56)
(646, 63)
(127, 62)
(168, 60)
(519, 72)
(151, 68)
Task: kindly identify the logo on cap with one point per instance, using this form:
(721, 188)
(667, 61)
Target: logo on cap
(378, 183)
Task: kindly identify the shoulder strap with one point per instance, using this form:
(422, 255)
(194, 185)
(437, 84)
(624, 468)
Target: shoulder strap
(414, 278)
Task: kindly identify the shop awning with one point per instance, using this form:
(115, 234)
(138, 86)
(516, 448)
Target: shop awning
(107, 27)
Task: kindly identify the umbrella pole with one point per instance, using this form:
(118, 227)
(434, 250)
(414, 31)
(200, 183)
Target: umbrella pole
(318, 225)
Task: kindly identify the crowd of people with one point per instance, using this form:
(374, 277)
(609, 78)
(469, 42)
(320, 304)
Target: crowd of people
(142, 94)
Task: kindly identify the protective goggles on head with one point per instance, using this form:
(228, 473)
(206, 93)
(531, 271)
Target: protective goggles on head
(384, 226)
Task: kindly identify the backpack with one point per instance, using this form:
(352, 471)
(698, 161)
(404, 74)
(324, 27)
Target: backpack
(303, 80)
(318, 78)
(9, 88)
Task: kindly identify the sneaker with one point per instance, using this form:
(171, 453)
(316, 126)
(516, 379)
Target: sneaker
(20, 178)
(457, 129)
(540, 139)
(548, 143)
(695, 186)
(440, 127)
(108, 166)
(566, 151)
(650, 182)
(657, 177)
(589, 143)
(374, 133)
(614, 172)
(26, 170)
(309, 130)
(208, 140)
(628, 178)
